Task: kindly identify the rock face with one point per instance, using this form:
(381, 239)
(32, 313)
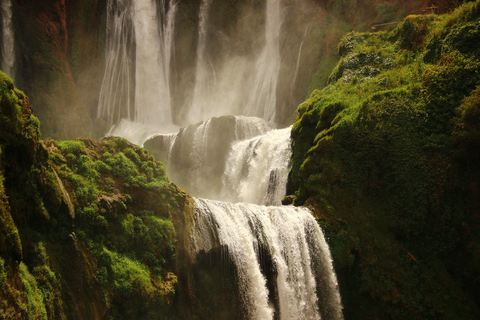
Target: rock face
(387, 155)
(59, 46)
(88, 228)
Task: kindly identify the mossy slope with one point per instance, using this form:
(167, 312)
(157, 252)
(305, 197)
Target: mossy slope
(387, 155)
(87, 227)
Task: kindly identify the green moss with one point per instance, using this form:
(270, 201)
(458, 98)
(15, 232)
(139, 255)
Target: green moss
(3, 274)
(128, 276)
(466, 133)
(35, 307)
(386, 155)
(72, 147)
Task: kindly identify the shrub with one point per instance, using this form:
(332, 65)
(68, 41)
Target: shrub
(122, 167)
(35, 306)
(73, 147)
(126, 276)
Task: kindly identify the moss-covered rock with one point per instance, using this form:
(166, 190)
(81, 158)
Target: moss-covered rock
(388, 161)
(88, 228)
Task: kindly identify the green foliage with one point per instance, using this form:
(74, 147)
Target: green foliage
(348, 44)
(411, 33)
(357, 65)
(387, 155)
(126, 276)
(441, 91)
(3, 274)
(72, 147)
(151, 238)
(114, 183)
(466, 133)
(122, 167)
(35, 307)
(102, 167)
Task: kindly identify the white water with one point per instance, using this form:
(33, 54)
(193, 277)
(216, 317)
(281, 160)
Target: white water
(139, 52)
(256, 170)
(137, 91)
(168, 36)
(249, 127)
(297, 67)
(136, 132)
(115, 101)
(152, 92)
(256, 166)
(238, 86)
(204, 75)
(263, 98)
(256, 151)
(8, 50)
(295, 244)
(199, 156)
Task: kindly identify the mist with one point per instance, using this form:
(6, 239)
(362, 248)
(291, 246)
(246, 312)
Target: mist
(204, 61)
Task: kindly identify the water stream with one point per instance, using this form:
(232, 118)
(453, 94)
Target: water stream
(239, 162)
(305, 285)
(263, 97)
(7, 46)
(136, 84)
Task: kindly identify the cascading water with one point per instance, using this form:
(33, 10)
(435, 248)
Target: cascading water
(137, 92)
(299, 282)
(204, 73)
(196, 156)
(7, 49)
(263, 98)
(256, 169)
(117, 91)
(304, 284)
(152, 92)
(281, 260)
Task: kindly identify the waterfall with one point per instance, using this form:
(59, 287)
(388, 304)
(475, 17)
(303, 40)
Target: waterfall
(249, 127)
(7, 49)
(256, 169)
(198, 158)
(282, 263)
(169, 34)
(204, 72)
(229, 159)
(199, 155)
(263, 97)
(152, 92)
(304, 282)
(117, 91)
(137, 73)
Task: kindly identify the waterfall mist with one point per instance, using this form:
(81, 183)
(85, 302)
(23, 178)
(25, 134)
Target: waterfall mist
(7, 44)
(170, 63)
(136, 84)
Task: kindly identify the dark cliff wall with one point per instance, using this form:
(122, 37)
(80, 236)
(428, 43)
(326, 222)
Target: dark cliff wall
(59, 51)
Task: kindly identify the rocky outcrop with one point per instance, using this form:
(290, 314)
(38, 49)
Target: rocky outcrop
(89, 229)
(385, 157)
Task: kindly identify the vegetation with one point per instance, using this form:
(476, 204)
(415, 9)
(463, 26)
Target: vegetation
(87, 227)
(387, 156)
